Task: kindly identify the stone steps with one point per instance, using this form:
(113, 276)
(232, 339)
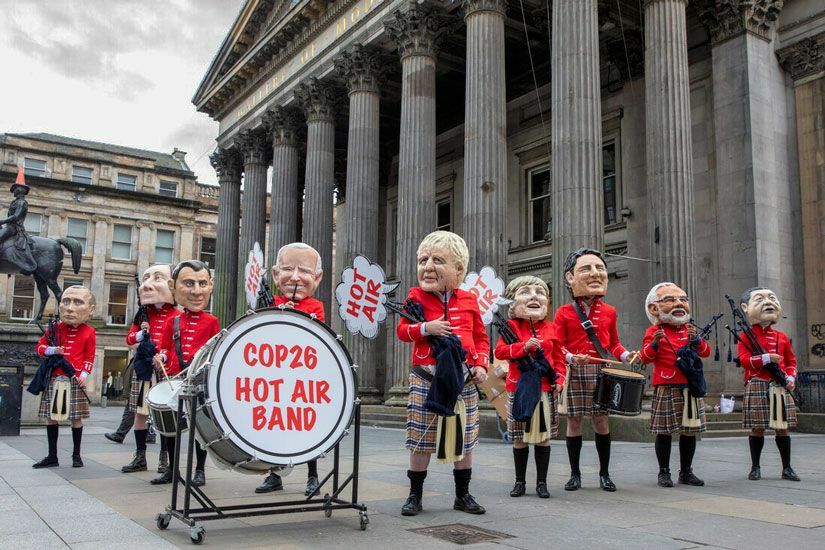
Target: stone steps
(724, 425)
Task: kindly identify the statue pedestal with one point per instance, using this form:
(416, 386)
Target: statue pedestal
(17, 343)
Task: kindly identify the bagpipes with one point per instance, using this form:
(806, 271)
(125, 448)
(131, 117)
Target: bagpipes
(146, 350)
(265, 297)
(42, 376)
(689, 362)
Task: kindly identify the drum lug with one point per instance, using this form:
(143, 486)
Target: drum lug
(354, 367)
(339, 337)
(346, 432)
(250, 312)
(357, 401)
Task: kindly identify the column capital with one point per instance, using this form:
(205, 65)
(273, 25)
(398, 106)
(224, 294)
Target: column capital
(253, 146)
(474, 6)
(363, 68)
(282, 124)
(726, 19)
(144, 223)
(419, 29)
(805, 57)
(104, 219)
(56, 212)
(318, 100)
(227, 164)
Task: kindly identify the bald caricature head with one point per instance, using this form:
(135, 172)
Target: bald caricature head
(154, 285)
(77, 304)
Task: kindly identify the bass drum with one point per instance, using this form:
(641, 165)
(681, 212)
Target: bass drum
(276, 388)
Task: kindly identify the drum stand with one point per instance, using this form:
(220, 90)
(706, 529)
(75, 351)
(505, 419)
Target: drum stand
(210, 511)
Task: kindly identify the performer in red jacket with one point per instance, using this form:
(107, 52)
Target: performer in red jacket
(442, 265)
(297, 273)
(668, 308)
(157, 302)
(528, 321)
(767, 404)
(76, 343)
(585, 275)
(191, 285)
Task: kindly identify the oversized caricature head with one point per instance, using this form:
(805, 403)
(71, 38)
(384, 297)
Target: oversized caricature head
(530, 297)
(761, 305)
(154, 285)
(442, 261)
(585, 273)
(77, 304)
(667, 304)
(297, 271)
(191, 285)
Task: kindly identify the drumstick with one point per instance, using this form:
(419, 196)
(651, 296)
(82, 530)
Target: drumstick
(600, 360)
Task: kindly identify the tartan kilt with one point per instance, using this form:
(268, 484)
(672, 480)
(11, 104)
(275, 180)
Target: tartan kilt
(134, 391)
(580, 389)
(756, 406)
(516, 429)
(667, 409)
(421, 423)
(78, 405)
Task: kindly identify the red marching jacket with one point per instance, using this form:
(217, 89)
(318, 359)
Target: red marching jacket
(464, 318)
(307, 305)
(157, 320)
(572, 338)
(195, 330)
(512, 352)
(773, 341)
(78, 347)
(663, 356)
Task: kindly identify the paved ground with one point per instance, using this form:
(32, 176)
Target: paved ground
(97, 505)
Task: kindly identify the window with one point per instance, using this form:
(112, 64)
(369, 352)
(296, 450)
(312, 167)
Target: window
(33, 224)
(443, 215)
(22, 302)
(122, 242)
(118, 299)
(125, 182)
(67, 282)
(208, 251)
(34, 167)
(164, 246)
(609, 183)
(81, 174)
(77, 231)
(540, 214)
(168, 188)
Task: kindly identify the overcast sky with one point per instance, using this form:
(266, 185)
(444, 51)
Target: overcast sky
(116, 71)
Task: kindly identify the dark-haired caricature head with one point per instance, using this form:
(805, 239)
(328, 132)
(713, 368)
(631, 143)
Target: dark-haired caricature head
(585, 273)
(191, 285)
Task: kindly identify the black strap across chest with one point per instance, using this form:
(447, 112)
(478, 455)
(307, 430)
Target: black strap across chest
(176, 337)
(587, 325)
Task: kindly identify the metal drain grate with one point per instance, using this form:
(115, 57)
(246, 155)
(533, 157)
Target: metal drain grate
(460, 533)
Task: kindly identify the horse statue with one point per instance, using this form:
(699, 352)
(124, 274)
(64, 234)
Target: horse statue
(48, 256)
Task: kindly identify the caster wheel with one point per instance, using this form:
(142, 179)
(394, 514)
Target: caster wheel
(162, 520)
(328, 512)
(365, 520)
(197, 534)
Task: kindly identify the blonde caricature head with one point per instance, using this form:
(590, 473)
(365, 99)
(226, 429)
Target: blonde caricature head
(452, 242)
(532, 302)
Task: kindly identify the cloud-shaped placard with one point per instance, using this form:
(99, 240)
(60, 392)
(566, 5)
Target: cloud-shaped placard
(361, 296)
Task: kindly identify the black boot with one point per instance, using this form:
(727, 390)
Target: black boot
(542, 456)
(603, 450)
(664, 478)
(520, 457)
(574, 449)
(51, 459)
(163, 479)
(138, 463)
(464, 501)
(199, 479)
(755, 442)
(783, 443)
(273, 482)
(413, 504)
(77, 436)
(163, 461)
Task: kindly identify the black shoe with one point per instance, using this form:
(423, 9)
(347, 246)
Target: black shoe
(789, 474)
(412, 506)
(606, 483)
(114, 436)
(138, 464)
(756, 473)
(541, 490)
(312, 486)
(574, 483)
(199, 479)
(48, 462)
(163, 462)
(77, 462)
(468, 504)
(518, 489)
(163, 479)
(664, 478)
(687, 477)
(273, 482)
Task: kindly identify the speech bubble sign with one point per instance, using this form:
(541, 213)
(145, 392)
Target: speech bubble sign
(488, 290)
(253, 270)
(361, 296)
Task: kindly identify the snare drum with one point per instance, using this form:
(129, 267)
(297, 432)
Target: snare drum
(276, 388)
(163, 409)
(620, 391)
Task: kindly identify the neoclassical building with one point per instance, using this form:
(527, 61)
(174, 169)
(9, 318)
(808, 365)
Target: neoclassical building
(684, 138)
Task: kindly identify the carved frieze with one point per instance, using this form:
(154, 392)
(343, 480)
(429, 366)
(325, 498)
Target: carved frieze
(805, 57)
(419, 29)
(725, 19)
(318, 100)
(363, 68)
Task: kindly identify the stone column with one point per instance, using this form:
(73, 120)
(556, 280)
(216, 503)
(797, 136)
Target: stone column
(144, 247)
(255, 151)
(362, 68)
(318, 101)
(669, 147)
(56, 217)
(100, 250)
(417, 32)
(485, 135)
(282, 124)
(227, 164)
(576, 164)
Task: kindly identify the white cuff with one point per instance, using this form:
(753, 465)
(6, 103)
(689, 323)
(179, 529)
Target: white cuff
(568, 357)
(139, 336)
(790, 379)
(624, 356)
(50, 351)
(423, 330)
(163, 357)
(766, 358)
(83, 375)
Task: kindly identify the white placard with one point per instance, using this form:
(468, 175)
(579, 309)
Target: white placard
(361, 296)
(488, 290)
(253, 271)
